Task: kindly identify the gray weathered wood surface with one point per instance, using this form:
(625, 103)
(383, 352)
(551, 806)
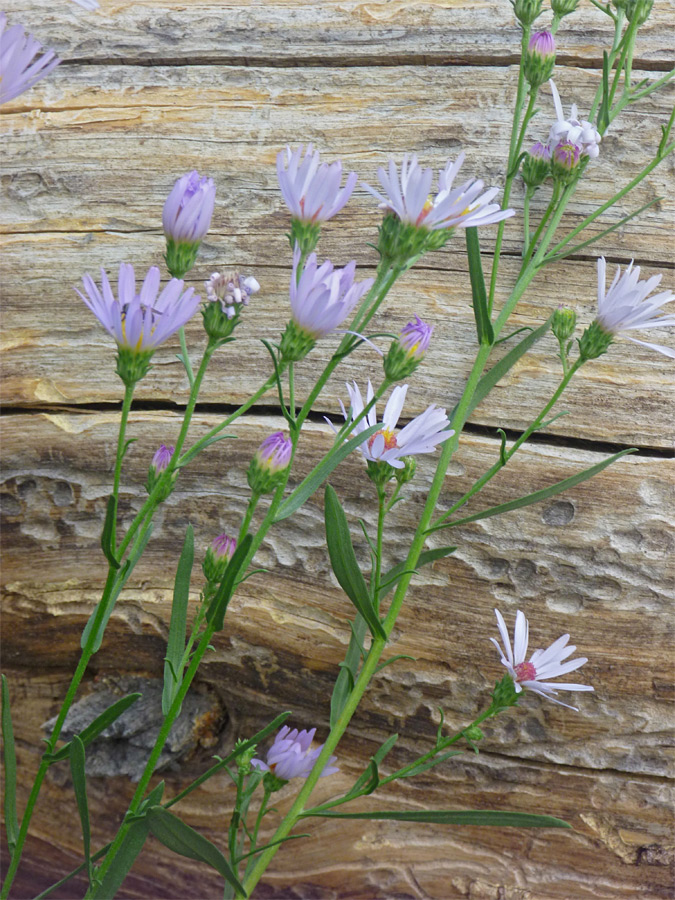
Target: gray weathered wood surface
(154, 88)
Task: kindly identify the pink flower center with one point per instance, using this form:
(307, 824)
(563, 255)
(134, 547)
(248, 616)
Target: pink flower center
(525, 671)
(389, 439)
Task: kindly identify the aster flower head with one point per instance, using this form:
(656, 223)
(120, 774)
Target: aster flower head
(269, 463)
(565, 161)
(321, 299)
(226, 294)
(422, 435)
(534, 674)
(218, 555)
(407, 351)
(540, 58)
(139, 321)
(291, 755)
(626, 306)
(186, 218)
(159, 465)
(21, 62)
(162, 457)
(573, 130)
(537, 165)
(311, 188)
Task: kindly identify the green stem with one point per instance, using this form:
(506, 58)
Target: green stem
(126, 407)
(516, 137)
(616, 44)
(377, 574)
(250, 509)
(291, 390)
(186, 358)
(529, 193)
(555, 197)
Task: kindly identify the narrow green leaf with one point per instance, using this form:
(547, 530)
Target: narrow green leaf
(537, 496)
(173, 673)
(9, 760)
(124, 859)
(190, 454)
(390, 578)
(108, 532)
(430, 763)
(318, 475)
(108, 602)
(223, 763)
(502, 449)
(182, 839)
(344, 564)
(345, 680)
(216, 611)
(449, 817)
(154, 798)
(363, 784)
(481, 313)
(100, 723)
(393, 659)
(291, 837)
(80, 788)
(497, 372)
(603, 112)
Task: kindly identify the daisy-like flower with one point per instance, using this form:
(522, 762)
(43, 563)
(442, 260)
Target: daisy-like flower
(188, 208)
(21, 63)
(311, 188)
(422, 435)
(572, 130)
(408, 197)
(291, 755)
(270, 461)
(627, 306)
(141, 321)
(534, 673)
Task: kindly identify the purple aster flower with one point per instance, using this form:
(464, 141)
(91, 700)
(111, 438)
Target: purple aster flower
(415, 337)
(139, 322)
(274, 454)
(422, 435)
(311, 189)
(188, 209)
(565, 158)
(223, 547)
(579, 132)
(534, 673)
(21, 64)
(542, 44)
(627, 306)
(230, 290)
(540, 151)
(218, 556)
(323, 296)
(162, 458)
(291, 756)
(408, 197)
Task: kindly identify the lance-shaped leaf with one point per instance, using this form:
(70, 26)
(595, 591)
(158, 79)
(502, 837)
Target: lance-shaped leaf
(481, 312)
(318, 475)
(231, 757)
(109, 599)
(216, 611)
(179, 837)
(429, 764)
(537, 496)
(451, 817)
(390, 578)
(370, 779)
(349, 671)
(100, 723)
(124, 859)
(173, 674)
(206, 442)
(108, 532)
(344, 564)
(80, 788)
(9, 760)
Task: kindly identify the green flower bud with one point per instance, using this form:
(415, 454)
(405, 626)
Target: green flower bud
(563, 8)
(594, 341)
(133, 365)
(180, 256)
(473, 733)
(296, 343)
(640, 9)
(527, 10)
(380, 473)
(407, 473)
(565, 162)
(540, 58)
(407, 351)
(269, 464)
(536, 166)
(564, 323)
(504, 694)
(218, 557)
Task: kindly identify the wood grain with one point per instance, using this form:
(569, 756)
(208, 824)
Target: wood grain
(343, 31)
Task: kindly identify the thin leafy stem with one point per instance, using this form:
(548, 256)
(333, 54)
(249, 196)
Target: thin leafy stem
(121, 435)
(184, 358)
(555, 197)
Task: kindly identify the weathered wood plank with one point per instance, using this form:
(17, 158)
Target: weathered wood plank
(286, 31)
(104, 145)
(620, 848)
(597, 562)
(66, 357)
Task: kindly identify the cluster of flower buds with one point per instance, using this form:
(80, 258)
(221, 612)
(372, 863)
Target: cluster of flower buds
(226, 294)
(218, 555)
(539, 59)
(186, 218)
(639, 9)
(271, 459)
(527, 10)
(407, 351)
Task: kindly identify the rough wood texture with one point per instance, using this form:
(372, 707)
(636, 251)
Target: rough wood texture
(153, 88)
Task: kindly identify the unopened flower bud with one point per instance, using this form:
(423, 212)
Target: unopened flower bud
(539, 58)
(563, 7)
(226, 295)
(565, 161)
(407, 473)
(537, 165)
(407, 351)
(594, 341)
(380, 473)
(186, 218)
(217, 557)
(269, 463)
(473, 733)
(159, 464)
(527, 10)
(639, 9)
(564, 323)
